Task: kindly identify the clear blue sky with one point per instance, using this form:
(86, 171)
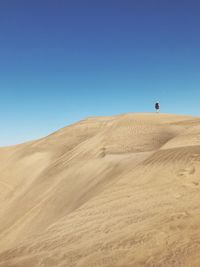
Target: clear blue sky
(63, 60)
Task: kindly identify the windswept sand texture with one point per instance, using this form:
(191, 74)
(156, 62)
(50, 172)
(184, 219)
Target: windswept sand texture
(121, 191)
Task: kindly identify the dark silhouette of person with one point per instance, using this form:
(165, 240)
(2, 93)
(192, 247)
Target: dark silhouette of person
(157, 106)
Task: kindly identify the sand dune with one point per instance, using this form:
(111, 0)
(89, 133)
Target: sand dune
(119, 191)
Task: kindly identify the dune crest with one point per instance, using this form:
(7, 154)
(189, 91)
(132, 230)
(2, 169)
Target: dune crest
(118, 191)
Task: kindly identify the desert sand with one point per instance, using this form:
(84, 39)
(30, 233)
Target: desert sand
(120, 191)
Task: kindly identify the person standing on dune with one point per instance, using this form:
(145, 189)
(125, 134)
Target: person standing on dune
(157, 106)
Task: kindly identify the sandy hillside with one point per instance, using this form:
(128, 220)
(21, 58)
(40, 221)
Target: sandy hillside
(121, 191)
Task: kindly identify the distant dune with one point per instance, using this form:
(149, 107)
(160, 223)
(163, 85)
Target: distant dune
(121, 191)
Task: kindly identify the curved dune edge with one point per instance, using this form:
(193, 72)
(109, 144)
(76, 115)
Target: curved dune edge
(117, 191)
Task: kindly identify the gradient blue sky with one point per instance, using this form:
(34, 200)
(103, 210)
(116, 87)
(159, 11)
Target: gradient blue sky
(61, 61)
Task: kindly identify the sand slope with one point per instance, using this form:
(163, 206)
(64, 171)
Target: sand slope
(119, 191)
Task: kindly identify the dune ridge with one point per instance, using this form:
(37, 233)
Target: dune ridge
(118, 191)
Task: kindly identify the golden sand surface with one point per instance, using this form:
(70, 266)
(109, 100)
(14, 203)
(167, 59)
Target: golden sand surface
(120, 191)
